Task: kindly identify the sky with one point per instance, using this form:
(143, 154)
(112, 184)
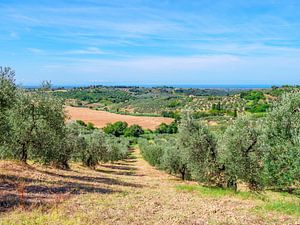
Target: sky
(163, 42)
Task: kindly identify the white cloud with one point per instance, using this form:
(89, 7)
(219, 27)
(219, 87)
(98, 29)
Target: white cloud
(87, 51)
(35, 50)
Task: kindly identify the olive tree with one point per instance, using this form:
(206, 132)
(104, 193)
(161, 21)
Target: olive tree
(241, 154)
(95, 149)
(117, 148)
(281, 136)
(174, 160)
(200, 147)
(7, 99)
(37, 128)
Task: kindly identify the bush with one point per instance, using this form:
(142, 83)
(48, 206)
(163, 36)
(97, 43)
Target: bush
(90, 126)
(117, 129)
(253, 95)
(134, 131)
(167, 129)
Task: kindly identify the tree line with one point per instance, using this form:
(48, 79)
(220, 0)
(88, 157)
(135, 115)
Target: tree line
(33, 127)
(261, 153)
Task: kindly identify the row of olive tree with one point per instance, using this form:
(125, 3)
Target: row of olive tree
(265, 152)
(32, 126)
(260, 153)
(93, 146)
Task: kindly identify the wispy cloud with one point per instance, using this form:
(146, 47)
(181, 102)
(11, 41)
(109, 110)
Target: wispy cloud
(85, 51)
(151, 37)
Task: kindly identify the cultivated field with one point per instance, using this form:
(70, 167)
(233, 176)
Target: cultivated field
(101, 118)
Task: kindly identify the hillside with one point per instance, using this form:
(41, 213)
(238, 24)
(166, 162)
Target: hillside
(129, 192)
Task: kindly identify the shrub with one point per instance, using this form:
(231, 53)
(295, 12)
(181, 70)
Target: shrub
(81, 123)
(167, 129)
(134, 131)
(253, 95)
(90, 126)
(117, 129)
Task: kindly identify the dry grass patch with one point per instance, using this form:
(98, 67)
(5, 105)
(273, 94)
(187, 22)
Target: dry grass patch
(127, 192)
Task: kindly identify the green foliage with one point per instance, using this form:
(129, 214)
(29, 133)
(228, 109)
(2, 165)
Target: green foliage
(167, 129)
(134, 131)
(200, 148)
(241, 154)
(81, 123)
(257, 107)
(255, 102)
(117, 148)
(171, 114)
(152, 151)
(92, 94)
(7, 100)
(174, 160)
(7, 87)
(117, 129)
(90, 126)
(37, 128)
(32, 126)
(281, 132)
(253, 95)
(94, 149)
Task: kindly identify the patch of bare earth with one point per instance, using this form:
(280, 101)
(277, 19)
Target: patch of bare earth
(101, 118)
(127, 192)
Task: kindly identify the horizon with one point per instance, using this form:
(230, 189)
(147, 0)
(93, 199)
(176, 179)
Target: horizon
(79, 42)
(183, 86)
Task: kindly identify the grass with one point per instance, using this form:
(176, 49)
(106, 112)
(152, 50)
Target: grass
(216, 192)
(286, 204)
(289, 208)
(130, 192)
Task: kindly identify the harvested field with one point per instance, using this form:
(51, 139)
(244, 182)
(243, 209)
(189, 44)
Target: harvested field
(127, 192)
(101, 118)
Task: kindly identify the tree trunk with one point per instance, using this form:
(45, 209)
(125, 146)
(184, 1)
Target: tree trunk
(231, 183)
(24, 154)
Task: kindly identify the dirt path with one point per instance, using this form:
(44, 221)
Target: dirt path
(129, 192)
(152, 198)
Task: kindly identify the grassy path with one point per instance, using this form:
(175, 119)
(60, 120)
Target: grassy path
(127, 192)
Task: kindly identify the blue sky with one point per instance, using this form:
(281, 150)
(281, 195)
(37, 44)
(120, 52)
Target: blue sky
(151, 42)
